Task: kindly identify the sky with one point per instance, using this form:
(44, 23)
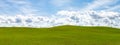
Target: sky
(46, 13)
(50, 7)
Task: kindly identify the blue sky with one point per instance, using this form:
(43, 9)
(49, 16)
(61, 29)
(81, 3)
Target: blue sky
(45, 13)
(50, 7)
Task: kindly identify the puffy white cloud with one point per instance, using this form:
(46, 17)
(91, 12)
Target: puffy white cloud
(64, 17)
(92, 18)
(108, 14)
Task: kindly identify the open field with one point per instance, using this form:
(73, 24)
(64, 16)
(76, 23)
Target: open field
(61, 35)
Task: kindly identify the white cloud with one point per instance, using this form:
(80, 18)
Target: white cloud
(87, 17)
(64, 17)
(108, 14)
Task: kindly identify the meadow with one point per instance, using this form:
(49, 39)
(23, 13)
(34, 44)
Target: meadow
(60, 35)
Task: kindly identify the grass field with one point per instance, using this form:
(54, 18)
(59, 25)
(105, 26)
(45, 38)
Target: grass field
(61, 35)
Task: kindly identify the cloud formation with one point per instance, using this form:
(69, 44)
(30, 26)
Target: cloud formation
(28, 13)
(65, 17)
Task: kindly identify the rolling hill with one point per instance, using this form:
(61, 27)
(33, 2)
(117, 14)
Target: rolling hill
(60, 35)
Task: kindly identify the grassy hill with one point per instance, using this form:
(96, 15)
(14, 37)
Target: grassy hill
(61, 35)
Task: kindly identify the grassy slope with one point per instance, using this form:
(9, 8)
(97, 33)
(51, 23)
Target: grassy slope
(62, 35)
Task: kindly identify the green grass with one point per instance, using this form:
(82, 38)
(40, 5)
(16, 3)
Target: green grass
(61, 35)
